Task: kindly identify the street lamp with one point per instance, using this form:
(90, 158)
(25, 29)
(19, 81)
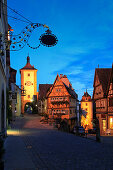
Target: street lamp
(23, 91)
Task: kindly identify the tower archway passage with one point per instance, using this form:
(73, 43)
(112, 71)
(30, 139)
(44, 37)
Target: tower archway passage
(28, 108)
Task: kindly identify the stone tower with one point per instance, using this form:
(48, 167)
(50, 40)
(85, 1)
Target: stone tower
(28, 82)
(87, 111)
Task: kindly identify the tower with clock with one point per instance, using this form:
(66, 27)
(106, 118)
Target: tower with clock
(28, 83)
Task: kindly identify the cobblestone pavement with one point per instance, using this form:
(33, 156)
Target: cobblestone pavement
(49, 149)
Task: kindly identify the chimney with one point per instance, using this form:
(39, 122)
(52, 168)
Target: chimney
(61, 75)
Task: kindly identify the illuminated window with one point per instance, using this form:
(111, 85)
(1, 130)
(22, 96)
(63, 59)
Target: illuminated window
(28, 74)
(111, 122)
(28, 96)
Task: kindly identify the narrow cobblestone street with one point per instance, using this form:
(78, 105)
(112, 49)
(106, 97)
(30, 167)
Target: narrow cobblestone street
(31, 145)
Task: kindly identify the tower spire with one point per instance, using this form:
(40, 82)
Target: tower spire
(28, 58)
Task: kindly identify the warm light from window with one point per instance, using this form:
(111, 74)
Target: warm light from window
(111, 122)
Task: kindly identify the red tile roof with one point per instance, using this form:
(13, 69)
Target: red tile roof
(86, 97)
(104, 77)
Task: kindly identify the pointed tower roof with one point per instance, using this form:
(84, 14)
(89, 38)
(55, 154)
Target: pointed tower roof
(86, 96)
(28, 66)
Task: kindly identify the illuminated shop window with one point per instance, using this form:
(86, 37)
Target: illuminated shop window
(111, 122)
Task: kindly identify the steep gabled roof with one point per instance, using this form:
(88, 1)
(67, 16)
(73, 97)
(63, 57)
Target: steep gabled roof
(43, 89)
(104, 76)
(86, 96)
(65, 82)
(50, 90)
(110, 79)
(71, 92)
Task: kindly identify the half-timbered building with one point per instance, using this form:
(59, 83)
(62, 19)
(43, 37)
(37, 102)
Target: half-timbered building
(103, 97)
(62, 99)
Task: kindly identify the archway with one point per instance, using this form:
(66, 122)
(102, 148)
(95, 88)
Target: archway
(28, 108)
(31, 108)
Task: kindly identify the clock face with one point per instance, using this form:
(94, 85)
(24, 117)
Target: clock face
(28, 83)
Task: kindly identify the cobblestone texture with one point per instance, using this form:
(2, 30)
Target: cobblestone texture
(49, 149)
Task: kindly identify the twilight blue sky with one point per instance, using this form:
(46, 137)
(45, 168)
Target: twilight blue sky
(84, 29)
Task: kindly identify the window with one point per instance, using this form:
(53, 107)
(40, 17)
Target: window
(86, 104)
(28, 96)
(86, 109)
(58, 90)
(28, 74)
(111, 122)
